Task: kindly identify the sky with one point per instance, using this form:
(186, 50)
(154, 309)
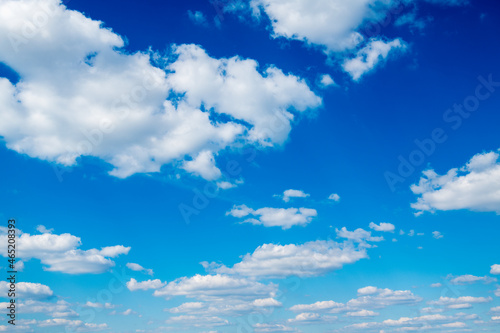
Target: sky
(251, 166)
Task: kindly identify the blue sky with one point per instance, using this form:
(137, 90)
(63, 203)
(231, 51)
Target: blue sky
(252, 166)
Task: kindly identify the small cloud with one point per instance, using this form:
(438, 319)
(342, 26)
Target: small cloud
(139, 268)
(437, 235)
(436, 285)
(326, 81)
(383, 226)
(44, 230)
(225, 185)
(411, 233)
(334, 197)
(293, 194)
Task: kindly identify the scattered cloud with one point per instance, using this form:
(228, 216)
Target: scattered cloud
(469, 279)
(60, 253)
(437, 235)
(383, 226)
(27, 290)
(139, 268)
(334, 197)
(370, 56)
(293, 194)
(359, 235)
(473, 187)
(133, 285)
(275, 217)
(495, 269)
(326, 81)
(213, 286)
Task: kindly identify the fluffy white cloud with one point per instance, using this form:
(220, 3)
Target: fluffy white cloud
(369, 56)
(495, 269)
(383, 226)
(275, 217)
(473, 186)
(293, 194)
(467, 279)
(133, 285)
(308, 259)
(330, 24)
(27, 290)
(139, 268)
(81, 94)
(60, 253)
(216, 286)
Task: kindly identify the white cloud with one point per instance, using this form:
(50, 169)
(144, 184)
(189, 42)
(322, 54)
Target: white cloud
(468, 279)
(362, 313)
(330, 24)
(449, 301)
(139, 268)
(60, 253)
(133, 285)
(267, 328)
(383, 226)
(43, 230)
(471, 187)
(369, 56)
(27, 290)
(224, 185)
(434, 322)
(437, 234)
(311, 318)
(214, 286)
(308, 259)
(227, 306)
(293, 194)
(326, 81)
(99, 305)
(198, 321)
(275, 217)
(81, 94)
(436, 285)
(495, 269)
(334, 197)
(359, 235)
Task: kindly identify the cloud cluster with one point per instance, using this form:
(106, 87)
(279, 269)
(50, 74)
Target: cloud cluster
(81, 94)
